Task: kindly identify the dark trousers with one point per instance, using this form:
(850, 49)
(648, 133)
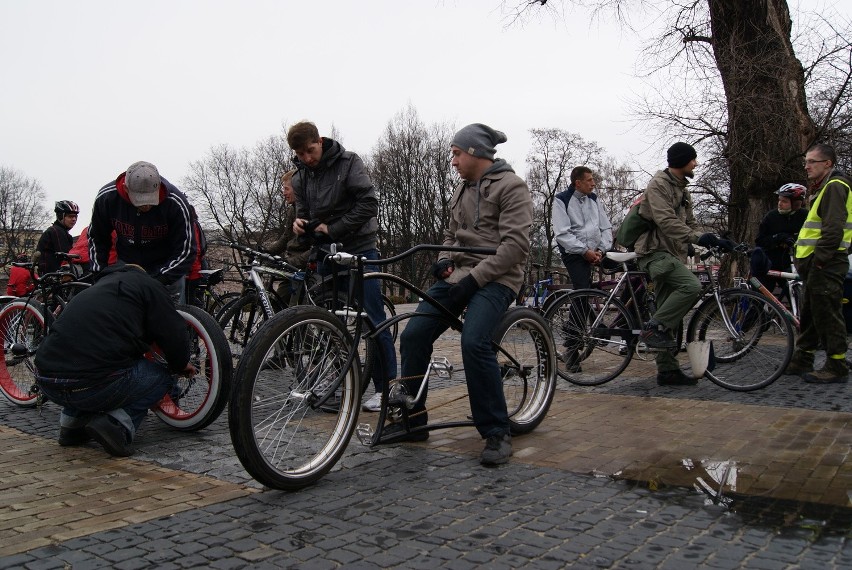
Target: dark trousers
(822, 310)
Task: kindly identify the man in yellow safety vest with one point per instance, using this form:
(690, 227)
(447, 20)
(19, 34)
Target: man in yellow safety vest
(821, 259)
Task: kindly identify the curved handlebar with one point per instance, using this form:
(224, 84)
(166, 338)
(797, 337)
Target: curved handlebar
(350, 259)
(716, 251)
(267, 257)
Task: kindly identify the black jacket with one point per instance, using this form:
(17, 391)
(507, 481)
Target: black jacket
(111, 325)
(161, 240)
(55, 239)
(776, 235)
(339, 193)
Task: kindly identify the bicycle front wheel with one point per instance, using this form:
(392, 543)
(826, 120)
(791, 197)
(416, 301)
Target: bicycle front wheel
(752, 341)
(594, 338)
(295, 402)
(242, 319)
(194, 403)
(527, 360)
(22, 330)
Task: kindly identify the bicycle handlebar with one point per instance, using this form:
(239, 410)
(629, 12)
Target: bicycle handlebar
(267, 257)
(344, 258)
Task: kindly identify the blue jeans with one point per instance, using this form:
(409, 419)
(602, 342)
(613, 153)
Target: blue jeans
(376, 312)
(126, 396)
(484, 381)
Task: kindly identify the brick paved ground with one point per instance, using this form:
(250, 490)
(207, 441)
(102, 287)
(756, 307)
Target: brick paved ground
(627, 475)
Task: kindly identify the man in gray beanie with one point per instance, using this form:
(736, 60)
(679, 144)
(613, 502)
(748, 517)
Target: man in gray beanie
(491, 207)
(663, 254)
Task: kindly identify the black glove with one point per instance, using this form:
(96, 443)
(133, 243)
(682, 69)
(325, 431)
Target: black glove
(708, 240)
(726, 244)
(690, 251)
(783, 238)
(440, 266)
(461, 292)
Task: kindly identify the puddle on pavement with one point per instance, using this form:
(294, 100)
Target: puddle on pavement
(723, 483)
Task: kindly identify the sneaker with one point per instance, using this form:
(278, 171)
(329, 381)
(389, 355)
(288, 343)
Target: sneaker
(498, 449)
(570, 358)
(70, 437)
(655, 337)
(397, 432)
(833, 372)
(110, 434)
(675, 378)
(374, 404)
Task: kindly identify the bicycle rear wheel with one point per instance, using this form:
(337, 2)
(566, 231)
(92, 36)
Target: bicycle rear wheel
(194, 403)
(22, 328)
(594, 339)
(756, 349)
(290, 422)
(527, 361)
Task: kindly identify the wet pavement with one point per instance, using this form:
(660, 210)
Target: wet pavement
(624, 475)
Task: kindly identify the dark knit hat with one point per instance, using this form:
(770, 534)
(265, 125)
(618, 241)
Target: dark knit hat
(680, 154)
(479, 140)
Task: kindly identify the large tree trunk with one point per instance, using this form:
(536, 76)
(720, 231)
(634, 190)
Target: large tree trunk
(769, 126)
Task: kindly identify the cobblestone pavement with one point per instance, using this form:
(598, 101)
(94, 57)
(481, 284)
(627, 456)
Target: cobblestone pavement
(625, 475)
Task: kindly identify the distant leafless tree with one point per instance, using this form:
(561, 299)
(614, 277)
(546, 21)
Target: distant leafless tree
(239, 190)
(410, 168)
(22, 212)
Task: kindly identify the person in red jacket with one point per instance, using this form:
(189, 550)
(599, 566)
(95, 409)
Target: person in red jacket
(20, 278)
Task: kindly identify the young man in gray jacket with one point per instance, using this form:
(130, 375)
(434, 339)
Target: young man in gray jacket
(491, 207)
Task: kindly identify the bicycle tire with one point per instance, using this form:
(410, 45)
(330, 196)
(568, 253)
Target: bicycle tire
(760, 350)
(242, 320)
(215, 303)
(598, 355)
(527, 361)
(390, 312)
(196, 402)
(22, 324)
(284, 434)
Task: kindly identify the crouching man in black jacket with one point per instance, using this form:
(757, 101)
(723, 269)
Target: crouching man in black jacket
(92, 361)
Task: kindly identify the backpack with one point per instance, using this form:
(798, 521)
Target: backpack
(633, 227)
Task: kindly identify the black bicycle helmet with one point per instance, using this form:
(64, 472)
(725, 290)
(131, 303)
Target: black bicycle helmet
(64, 207)
(792, 191)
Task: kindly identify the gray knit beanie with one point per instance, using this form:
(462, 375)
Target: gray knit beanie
(479, 140)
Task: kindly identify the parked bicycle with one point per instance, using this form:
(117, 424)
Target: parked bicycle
(195, 401)
(541, 293)
(752, 337)
(290, 425)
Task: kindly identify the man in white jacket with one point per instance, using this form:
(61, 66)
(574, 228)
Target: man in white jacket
(582, 227)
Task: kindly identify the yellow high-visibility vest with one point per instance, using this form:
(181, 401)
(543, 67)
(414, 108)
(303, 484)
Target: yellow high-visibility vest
(811, 230)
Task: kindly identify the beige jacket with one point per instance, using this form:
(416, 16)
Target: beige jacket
(668, 203)
(497, 213)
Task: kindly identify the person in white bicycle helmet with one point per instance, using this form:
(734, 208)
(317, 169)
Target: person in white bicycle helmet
(778, 232)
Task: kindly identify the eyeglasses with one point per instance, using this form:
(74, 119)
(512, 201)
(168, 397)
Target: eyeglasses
(812, 161)
(70, 215)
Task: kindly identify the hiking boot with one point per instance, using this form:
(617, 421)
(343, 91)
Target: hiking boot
(398, 432)
(110, 434)
(498, 449)
(655, 335)
(70, 437)
(571, 358)
(675, 378)
(833, 372)
(801, 363)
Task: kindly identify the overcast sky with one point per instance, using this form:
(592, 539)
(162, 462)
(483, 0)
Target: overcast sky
(91, 86)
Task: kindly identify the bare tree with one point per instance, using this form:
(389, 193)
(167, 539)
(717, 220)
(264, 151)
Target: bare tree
(410, 168)
(751, 118)
(22, 212)
(239, 190)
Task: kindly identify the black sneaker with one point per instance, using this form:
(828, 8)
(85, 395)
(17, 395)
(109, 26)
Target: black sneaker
(69, 437)
(498, 449)
(110, 434)
(675, 378)
(654, 337)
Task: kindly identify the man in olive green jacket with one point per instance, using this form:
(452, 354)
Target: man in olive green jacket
(663, 254)
(822, 261)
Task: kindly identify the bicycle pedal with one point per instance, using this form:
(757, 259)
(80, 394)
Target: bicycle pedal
(365, 434)
(442, 367)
